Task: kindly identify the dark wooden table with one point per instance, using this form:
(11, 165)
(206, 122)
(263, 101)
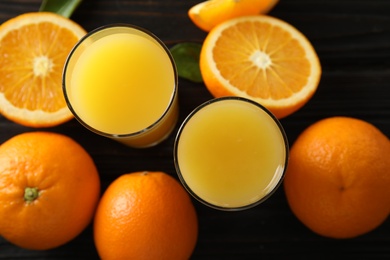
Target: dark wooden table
(352, 39)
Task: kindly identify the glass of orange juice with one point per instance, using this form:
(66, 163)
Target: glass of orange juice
(231, 153)
(120, 81)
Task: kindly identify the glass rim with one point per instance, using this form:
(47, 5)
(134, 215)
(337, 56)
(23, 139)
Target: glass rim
(182, 179)
(125, 26)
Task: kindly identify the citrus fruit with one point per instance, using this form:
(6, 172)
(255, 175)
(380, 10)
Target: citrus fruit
(261, 58)
(33, 50)
(206, 15)
(49, 189)
(145, 215)
(337, 181)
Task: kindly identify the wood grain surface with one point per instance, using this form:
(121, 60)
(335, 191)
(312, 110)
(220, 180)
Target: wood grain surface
(352, 39)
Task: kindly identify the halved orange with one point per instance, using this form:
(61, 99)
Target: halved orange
(261, 58)
(208, 14)
(33, 50)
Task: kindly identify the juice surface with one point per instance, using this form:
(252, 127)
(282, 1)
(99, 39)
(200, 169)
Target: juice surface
(121, 83)
(231, 153)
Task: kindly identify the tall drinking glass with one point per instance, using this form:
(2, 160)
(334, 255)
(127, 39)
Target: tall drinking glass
(120, 81)
(231, 153)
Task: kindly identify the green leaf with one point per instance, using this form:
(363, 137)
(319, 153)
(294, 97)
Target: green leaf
(61, 7)
(186, 56)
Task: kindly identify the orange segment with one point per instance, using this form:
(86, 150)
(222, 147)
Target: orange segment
(34, 47)
(208, 14)
(261, 58)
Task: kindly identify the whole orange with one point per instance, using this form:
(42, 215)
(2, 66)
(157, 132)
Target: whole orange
(145, 215)
(337, 181)
(49, 189)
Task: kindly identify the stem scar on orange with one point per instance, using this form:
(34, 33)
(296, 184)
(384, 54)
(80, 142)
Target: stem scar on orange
(261, 58)
(49, 189)
(33, 50)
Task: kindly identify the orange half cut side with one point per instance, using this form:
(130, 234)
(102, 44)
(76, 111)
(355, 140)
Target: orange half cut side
(261, 58)
(33, 50)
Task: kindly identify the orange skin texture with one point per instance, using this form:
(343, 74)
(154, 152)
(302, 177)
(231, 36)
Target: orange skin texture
(337, 181)
(215, 12)
(145, 215)
(67, 181)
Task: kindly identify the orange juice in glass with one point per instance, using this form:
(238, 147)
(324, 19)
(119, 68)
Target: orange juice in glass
(231, 153)
(120, 81)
